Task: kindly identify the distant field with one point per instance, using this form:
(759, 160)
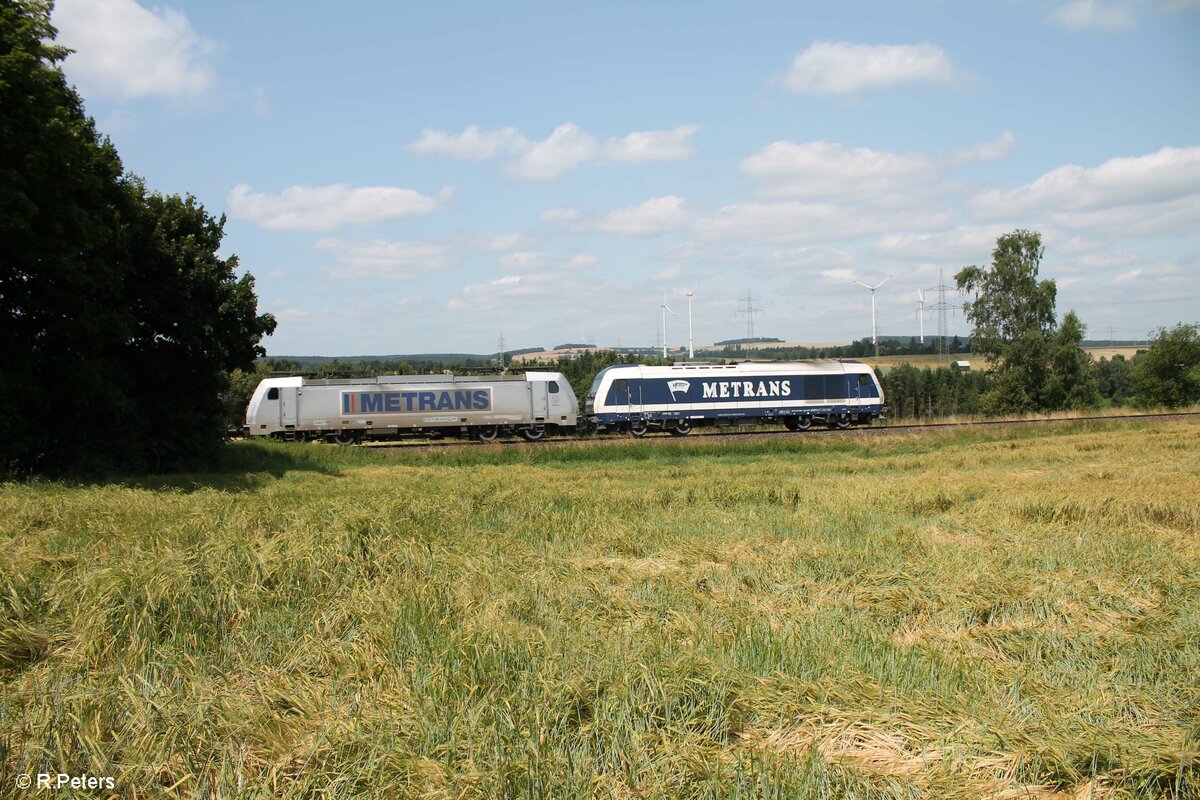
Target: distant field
(1098, 353)
(978, 362)
(1007, 614)
(923, 361)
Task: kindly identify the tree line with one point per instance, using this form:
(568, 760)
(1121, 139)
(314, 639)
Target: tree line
(861, 348)
(1152, 379)
(118, 320)
(1037, 363)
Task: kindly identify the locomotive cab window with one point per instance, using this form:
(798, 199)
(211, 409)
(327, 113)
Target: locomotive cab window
(620, 386)
(553, 387)
(273, 393)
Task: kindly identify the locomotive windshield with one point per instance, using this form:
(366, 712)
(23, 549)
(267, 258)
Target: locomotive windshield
(591, 395)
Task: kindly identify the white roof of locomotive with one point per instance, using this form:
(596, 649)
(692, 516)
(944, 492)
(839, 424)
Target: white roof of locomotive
(751, 367)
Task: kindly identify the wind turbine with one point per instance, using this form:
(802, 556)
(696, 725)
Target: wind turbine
(921, 314)
(663, 310)
(691, 348)
(874, 319)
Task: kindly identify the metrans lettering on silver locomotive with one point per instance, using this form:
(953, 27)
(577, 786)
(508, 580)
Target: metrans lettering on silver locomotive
(405, 402)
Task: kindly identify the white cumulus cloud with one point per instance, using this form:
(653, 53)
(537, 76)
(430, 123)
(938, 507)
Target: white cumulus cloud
(555, 216)
(501, 243)
(964, 244)
(846, 68)
(654, 216)
(383, 259)
(672, 145)
(575, 293)
(524, 260)
(127, 51)
(325, 208)
(471, 144)
(527, 262)
(581, 261)
(823, 169)
(566, 148)
(992, 150)
(796, 221)
(562, 151)
(1096, 14)
(1168, 178)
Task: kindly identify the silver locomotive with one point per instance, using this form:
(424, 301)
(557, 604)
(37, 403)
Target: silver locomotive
(351, 410)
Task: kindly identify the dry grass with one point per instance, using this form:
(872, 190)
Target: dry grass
(1006, 614)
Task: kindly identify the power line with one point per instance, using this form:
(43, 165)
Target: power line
(748, 312)
(1131, 302)
(942, 309)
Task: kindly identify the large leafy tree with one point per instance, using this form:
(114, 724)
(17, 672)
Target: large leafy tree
(194, 322)
(63, 205)
(1168, 374)
(105, 289)
(1038, 364)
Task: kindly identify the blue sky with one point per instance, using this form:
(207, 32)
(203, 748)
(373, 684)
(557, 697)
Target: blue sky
(406, 178)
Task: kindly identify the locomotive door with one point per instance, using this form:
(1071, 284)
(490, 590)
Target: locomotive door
(288, 403)
(555, 400)
(537, 400)
(618, 394)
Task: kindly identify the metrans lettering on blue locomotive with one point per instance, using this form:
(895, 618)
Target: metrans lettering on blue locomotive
(716, 389)
(403, 402)
(662, 391)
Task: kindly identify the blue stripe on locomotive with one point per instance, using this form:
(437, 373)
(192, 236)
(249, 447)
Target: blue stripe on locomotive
(720, 391)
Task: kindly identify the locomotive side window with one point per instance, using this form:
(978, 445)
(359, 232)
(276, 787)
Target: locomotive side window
(273, 393)
(620, 386)
(553, 387)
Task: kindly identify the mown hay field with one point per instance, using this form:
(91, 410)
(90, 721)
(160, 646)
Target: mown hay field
(1003, 614)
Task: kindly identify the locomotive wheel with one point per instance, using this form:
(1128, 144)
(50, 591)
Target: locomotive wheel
(681, 428)
(346, 437)
(534, 434)
(487, 433)
(803, 423)
(638, 428)
(842, 421)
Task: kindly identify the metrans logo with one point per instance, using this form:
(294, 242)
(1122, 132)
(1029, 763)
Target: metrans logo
(401, 402)
(715, 389)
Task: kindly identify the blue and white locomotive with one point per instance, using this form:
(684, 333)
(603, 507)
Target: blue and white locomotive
(636, 398)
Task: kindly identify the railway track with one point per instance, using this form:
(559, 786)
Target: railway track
(752, 433)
